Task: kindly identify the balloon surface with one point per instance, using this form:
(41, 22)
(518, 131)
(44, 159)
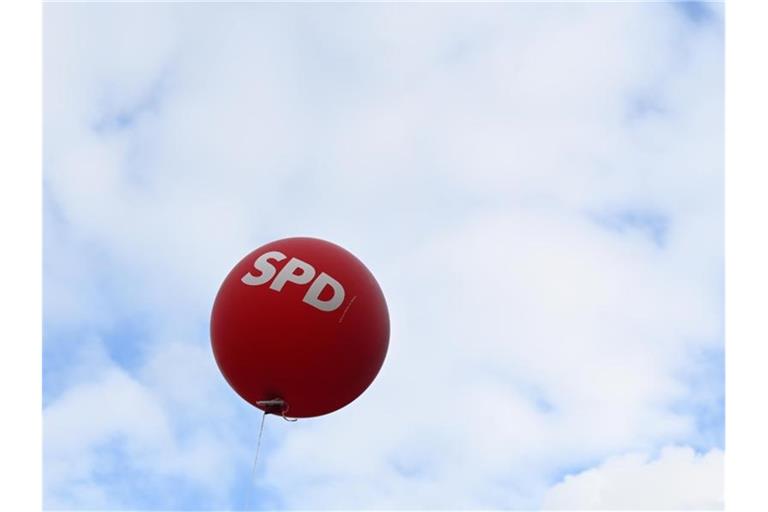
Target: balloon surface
(302, 320)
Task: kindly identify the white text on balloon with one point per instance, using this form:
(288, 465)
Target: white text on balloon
(299, 272)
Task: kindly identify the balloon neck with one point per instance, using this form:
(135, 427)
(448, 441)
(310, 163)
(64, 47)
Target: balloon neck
(275, 406)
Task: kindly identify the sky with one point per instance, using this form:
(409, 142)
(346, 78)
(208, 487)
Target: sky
(538, 189)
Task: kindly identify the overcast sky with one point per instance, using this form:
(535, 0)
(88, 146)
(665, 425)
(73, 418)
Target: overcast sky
(537, 188)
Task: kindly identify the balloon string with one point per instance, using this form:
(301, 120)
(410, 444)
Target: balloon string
(256, 457)
(285, 410)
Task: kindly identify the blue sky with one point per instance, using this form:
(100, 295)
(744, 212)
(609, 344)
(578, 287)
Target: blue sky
(537, 187)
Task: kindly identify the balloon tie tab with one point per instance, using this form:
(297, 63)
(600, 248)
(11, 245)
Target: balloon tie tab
(275, 403)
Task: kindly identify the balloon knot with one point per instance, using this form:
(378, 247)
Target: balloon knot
(275, 406)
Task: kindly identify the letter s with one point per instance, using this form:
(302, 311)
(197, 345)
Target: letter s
(267, 270)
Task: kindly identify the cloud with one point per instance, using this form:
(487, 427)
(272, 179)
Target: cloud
(678, 479)
(527, 362)
(536, 187)
(111, 437)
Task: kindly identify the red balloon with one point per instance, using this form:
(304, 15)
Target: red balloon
(301, 320)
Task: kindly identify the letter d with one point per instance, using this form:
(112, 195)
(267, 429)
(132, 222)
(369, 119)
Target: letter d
(313, 294)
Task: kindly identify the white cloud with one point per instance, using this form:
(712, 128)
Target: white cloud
(462, 152)
(679, 479)
(108, 426)
(551, 335)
